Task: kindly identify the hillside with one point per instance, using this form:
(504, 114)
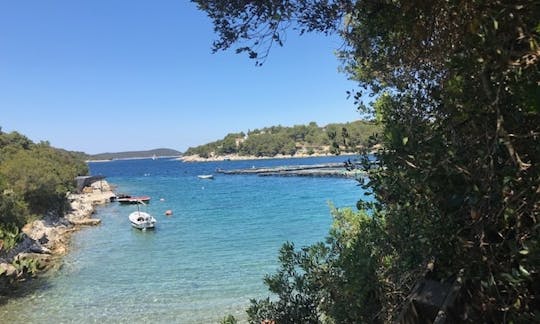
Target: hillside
(308, 139)
(34, 180)
(134, 154)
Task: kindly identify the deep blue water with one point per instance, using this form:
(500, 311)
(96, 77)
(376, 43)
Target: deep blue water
(202, 263)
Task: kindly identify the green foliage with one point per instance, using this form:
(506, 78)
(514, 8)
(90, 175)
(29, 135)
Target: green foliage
(34, 179)
(27, 266)
(458, 176)
(334, 280)
(13, 208)
(457, 179)
(9, 236)
(42, 176)
(229, 319)
(296, 302)
(349, 280)
(310, 139)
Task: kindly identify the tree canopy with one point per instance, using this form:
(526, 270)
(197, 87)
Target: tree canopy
(457, 182)
(34, 180)
(307, 139)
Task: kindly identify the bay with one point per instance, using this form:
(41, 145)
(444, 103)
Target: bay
(203, 262)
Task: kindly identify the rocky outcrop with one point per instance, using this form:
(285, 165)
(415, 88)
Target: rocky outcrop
(88, 221)
(47, 238)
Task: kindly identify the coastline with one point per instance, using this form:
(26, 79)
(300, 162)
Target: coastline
(134, 158)
(235, 157)
(47, 240)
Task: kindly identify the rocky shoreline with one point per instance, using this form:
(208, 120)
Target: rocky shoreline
(46, 240)
(236, 157)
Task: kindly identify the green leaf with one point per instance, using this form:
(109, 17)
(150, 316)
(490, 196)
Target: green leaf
(517, 304)
(524, 271)
(405, 140)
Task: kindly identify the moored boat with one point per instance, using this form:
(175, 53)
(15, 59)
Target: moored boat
(133, 199)
(206, 176)
(142, 220)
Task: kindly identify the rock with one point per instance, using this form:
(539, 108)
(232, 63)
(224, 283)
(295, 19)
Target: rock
(49, 237)
(43, 260)
(7, 269)
(86, 221)
(38, 248)
(87, 190)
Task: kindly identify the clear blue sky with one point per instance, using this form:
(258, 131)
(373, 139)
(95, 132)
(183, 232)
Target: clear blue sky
(116, 75)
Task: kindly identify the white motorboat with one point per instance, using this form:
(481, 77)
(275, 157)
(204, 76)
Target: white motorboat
(206, 176)
(142, 220)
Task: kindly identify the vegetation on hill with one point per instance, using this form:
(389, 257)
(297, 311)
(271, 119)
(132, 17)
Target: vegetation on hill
(134, 154)
(456, 185)
(34, 180)
(310, 139)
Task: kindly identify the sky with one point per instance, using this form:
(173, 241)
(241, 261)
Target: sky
(119, 75)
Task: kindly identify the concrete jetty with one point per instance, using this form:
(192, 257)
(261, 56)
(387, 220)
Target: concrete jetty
(337, 170)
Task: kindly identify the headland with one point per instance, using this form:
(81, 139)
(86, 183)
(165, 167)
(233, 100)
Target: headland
(237, 157)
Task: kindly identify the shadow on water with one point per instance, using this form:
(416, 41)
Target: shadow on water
(146, 233)
(10, 291)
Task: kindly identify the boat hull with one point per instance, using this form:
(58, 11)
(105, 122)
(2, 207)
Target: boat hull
(133, 200)
(142, 220)
(143, 226)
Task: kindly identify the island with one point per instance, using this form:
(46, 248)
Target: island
(286, 142)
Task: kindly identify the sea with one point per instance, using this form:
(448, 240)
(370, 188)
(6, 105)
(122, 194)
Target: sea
(204, 262)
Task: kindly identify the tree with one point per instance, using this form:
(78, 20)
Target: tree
(34, 179)
(335, 279)
(333, 137)
(456, 87)
(228, 144)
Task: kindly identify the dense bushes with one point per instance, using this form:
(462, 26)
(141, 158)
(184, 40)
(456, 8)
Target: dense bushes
(308, 139)
(332, 281)
(34, 179)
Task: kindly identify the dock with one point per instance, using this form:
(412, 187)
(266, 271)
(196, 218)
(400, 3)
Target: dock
(335, 170)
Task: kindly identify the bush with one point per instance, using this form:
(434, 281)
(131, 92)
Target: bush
(34, 180)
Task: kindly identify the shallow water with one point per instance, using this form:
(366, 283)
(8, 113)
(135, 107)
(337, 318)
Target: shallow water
(203, 262)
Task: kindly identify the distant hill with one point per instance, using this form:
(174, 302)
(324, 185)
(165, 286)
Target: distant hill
(298, 140)
(134, 154)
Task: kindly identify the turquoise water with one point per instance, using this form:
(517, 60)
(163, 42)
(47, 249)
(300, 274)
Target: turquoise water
(205, 261)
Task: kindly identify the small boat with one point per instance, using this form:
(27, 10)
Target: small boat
(142, 220)
(133, 200)
(206, 176)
